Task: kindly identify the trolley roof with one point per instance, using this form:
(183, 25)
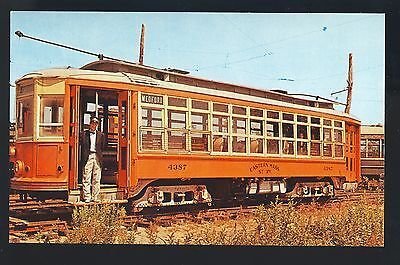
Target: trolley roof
(253, 95)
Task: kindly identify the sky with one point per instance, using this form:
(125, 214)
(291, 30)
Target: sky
(299, 53)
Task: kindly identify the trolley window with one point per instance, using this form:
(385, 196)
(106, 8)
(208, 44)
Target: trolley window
(256, 127)
(239, 125)
(272, 129)
(177, 102)
(199, 136)
(373, 148)
(301, 118)
(327, 135)
(287, 130)
(288, 117)
(302, 132)
(273, 142)
(176, 140)
(220, 143)
(338, 139)
(152, 140)
(239, 144)
(338, 136)
(327, 122)
(176, 135)
(25, 117)
(327, 150)
(339, 150)
(220, 107)
(199, 141)
(302, 148)
(176, 119)
(152, 117)
(238, 110)
(273, 115)
(315, 120)
(220, 123)
(288, 145)
(51, 116)
(315, 147)
(302, 140)
(256, 145)
(256, 112)
(315, 133)
(338, 124)
(199, 121)
(363, 147)
(202, 105)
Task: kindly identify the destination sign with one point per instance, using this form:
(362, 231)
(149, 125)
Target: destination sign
(152, 99)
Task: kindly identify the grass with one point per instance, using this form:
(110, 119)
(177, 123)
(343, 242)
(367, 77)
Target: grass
(345, 224)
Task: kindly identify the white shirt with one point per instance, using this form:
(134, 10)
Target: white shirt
(93, 142)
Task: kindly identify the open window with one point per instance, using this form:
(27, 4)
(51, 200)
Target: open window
(220, 128)
(287, 135)
(302, 136)
(199, 135)
(273, 132)
(256, 131)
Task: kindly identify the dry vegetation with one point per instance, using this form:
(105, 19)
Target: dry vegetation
(344, 224)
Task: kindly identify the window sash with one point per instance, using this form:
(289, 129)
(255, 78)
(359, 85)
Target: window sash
(247, 128)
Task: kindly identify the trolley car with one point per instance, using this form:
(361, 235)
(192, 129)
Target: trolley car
(372, 153)
(174, 139)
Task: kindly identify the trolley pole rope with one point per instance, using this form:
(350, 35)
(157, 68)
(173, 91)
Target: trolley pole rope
(99, 56)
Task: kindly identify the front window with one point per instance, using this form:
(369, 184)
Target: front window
(51, 116)
(25, 117)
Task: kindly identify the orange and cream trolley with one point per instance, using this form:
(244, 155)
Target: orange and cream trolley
(173, 139)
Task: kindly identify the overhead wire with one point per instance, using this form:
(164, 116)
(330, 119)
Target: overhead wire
(266, 52)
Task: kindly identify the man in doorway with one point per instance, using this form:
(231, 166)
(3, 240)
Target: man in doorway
(92, 144)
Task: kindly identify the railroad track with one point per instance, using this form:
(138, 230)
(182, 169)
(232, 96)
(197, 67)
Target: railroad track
(226, 213)
(18, 226)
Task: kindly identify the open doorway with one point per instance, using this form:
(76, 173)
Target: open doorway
(104, 105)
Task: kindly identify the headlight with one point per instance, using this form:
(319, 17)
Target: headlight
(18, 166)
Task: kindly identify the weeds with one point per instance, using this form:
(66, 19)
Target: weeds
(98, 224)
(346, 224)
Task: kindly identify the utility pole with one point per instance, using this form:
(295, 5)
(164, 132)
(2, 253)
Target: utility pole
(141, 52)
(349, 84)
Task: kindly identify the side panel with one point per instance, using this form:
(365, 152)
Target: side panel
(150, 167)
(41, 162)
(45, 165)
(26, 152)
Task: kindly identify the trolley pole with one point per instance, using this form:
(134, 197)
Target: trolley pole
(349, 84)
(141, 52)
